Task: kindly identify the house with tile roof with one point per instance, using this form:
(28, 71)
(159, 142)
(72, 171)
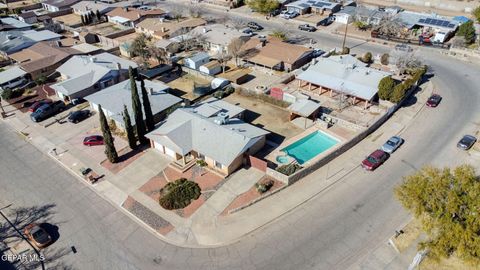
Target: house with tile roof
(130, 17)
(211, 131)
(273, 53)
(84, 75)
(43, 58)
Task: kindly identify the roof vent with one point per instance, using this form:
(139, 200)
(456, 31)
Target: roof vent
(221, 119)
(150, 91)
(93, 59)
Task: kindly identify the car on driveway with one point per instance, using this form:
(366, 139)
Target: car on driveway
(434, 100)
(466, 142)
(37, 235)
(374, 160)
(47, 110)
(307, 27)
(78, 116)
(392, 144)
(254, 26)
(93, 140)
(38, 104)
(289, 15)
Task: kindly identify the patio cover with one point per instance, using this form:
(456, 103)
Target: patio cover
(304, 107)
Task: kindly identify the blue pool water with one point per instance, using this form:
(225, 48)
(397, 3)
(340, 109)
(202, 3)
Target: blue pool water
(310, 146)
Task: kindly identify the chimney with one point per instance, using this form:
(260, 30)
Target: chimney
(162, 20)
(93, 59)
(262, 43)
(150, 91)
(139, 16)
(119, 66)
(59, 43)
(163, 30)
(205, 30)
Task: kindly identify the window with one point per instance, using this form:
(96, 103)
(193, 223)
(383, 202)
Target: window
(218, 164)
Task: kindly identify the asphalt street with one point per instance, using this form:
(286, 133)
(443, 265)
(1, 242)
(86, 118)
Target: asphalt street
(337, 230)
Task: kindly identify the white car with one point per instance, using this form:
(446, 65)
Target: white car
(392, 144)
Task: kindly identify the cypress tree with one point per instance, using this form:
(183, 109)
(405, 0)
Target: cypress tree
(147, 108)
(132, 141)
(137, 108)
(110, 150)
(99, 16)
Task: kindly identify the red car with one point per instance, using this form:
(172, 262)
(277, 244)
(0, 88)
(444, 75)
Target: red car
(38, 104)
(93, 140)
(374, 160)
(433, 100)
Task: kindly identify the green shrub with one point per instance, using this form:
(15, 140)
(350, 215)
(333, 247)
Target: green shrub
(399, 92)
(345, 50)
(9, 93)
(385, 88)
(384, 59)
(367, 57)
(219, 94)
(179, 194)
(201, 163)
(289, 169)
(264, 186)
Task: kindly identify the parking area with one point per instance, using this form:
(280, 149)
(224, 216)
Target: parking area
(266, 116)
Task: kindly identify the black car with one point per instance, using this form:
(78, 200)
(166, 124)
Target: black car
(254, 26)
(78, 116)
(466, 142)
(275, 12)
(47, 110)
(307, 27)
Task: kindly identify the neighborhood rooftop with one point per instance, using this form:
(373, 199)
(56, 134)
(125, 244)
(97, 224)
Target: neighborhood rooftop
(340, 74)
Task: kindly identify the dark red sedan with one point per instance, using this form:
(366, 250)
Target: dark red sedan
(93, 140)
(433, 100)
(374, 160)
(38, 104)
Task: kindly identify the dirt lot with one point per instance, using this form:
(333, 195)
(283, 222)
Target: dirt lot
(185, 84)
(267, 116)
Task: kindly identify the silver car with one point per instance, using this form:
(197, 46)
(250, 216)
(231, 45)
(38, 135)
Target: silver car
(392, 144)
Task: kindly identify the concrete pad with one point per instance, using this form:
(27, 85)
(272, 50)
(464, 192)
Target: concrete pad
(111, 192)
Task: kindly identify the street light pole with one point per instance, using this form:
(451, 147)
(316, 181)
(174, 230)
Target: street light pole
(345, 36)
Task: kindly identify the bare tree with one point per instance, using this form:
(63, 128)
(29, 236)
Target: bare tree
(235, 49)
(158, 54)
(237, 23)
(222, 57)
(391, 28)
(405, 60)
(195, 10)
(458, 42)
(176, 12)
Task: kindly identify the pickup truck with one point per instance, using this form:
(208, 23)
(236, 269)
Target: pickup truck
(47, 110)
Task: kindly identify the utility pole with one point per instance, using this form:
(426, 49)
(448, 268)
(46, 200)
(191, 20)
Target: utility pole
(1, 109)
(345, 36)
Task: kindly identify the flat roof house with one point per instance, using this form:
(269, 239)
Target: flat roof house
(85, 75)
(275, 54)
(43, 58)
(343, 74)
(14, 41)
(131, 17)
(211, 131)
(313, 6)
(85, 7)
(163, 29)
(57, 5)
(217, 37)
(114, 97)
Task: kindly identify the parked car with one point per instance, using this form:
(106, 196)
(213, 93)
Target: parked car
(77, 101)
(38, 104)
(37, 235)
(403, 48)
(307, 27)
(327, 21)
(289, 14)
(254, 26)
(318, 52)
(93, 140)
(47, 110)
(247, 31)
(392, 144)
(433, 100)
(78, 116)
(275, 12)
(466, 142)
(374, 160)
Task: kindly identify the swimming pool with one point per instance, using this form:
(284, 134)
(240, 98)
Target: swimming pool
(310, 146)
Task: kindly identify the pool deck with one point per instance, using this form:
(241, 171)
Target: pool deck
(277, 152)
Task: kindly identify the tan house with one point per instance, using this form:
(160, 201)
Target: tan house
(211, 131)
(164, 29)
(275, 54)
(131, 16)
(43, 58)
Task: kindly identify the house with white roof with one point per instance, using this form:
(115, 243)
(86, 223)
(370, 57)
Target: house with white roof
(217, 37)
(211, 131)
(114, 97)
(12, 78)
(14, 41)
(343, 74)
(197, 60)
(57, 5)
(84, 75)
